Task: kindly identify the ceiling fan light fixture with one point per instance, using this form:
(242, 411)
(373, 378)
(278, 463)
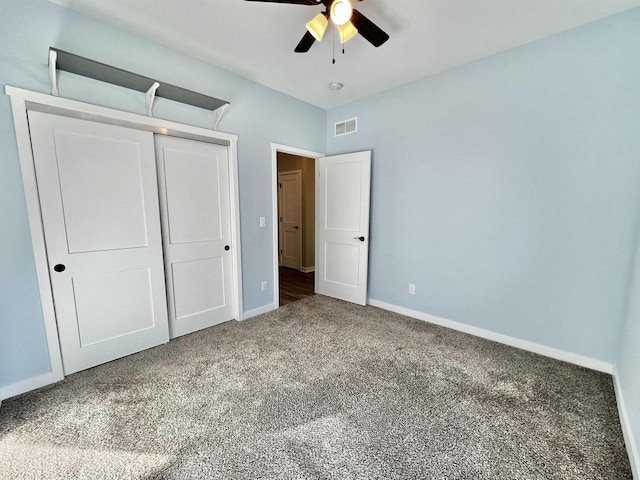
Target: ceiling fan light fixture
(341, 11)
(317, 26)
(347, 32)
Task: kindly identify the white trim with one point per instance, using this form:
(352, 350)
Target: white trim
(259, 311)
(95, 112)
(234, 195)
(627, 432)
(27, 385)
(551, 352)
(308, 269)
(25, 154)
(275, 148)
(21, 101)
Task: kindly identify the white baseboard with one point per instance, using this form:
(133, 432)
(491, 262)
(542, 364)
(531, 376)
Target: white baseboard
(27, 385)
(569, 357)
(627, 433)
(259, 311)
(308, 269)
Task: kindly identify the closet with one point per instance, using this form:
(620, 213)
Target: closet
(194, 200)
(139, 229)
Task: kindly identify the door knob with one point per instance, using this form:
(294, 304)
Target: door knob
(59, 268)
(359, 238)
(296, 227)
(227, 247)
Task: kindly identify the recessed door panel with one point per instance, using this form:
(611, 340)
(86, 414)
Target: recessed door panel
(343, 196)
(342, 202)
(101, 187)
(193, 194)
(342, 262)
(113, 304)
(99, 200)
(196, 217)
(291, 248)
(198, 286)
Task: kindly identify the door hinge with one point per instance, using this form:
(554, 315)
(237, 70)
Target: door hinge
(279, 185)
(280, 252)
(280, 218)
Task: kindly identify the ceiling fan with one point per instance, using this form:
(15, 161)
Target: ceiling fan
(347, 20)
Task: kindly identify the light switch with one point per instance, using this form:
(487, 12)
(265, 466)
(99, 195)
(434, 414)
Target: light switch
(263, 222)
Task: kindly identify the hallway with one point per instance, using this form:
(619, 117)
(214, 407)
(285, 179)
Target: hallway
(294, 285)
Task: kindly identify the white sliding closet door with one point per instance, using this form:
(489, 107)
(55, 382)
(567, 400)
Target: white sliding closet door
(99, 200)
(196, 223)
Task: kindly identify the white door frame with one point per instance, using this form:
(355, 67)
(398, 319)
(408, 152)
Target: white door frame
(275, 148)
(23, 100)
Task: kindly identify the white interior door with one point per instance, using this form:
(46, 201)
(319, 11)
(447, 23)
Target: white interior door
(99, 200)
(290, 201)
(342, 199)
(196, 223)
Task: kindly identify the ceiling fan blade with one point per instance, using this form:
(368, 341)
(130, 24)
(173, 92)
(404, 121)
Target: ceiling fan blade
(369, 30)
(305, 44)
(296, 2)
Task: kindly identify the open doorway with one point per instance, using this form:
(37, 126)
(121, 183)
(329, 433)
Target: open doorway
(294, 223)
(296, 226)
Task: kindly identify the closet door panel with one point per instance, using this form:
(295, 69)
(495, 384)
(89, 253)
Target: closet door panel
(193, 196)
(99, 200)
(100, 318)
(195, 207)
(198, 286)
(91, 170)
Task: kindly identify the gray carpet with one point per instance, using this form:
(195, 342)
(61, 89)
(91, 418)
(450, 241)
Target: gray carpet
(320, 389)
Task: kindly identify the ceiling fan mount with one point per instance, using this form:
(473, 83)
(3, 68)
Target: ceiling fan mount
(347, 20)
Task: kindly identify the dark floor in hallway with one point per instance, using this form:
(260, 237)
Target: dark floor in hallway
(294, 285)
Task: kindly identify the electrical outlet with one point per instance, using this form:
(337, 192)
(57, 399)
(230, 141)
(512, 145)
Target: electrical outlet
(412, 289)
(264, 286)
(263, 222)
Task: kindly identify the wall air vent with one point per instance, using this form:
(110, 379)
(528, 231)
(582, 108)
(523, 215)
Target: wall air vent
(346, 127)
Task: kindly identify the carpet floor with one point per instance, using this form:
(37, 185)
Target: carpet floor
(320, 389)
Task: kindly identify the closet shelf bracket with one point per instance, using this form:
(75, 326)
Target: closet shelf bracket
(217, 115)
(151, 96)
(53, 72)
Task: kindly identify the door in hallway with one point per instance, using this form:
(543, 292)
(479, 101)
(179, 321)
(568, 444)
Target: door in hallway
(290, 217)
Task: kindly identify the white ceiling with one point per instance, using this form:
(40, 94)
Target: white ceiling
(256, 40)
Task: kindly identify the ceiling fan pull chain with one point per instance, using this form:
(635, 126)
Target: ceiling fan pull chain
(334, 44)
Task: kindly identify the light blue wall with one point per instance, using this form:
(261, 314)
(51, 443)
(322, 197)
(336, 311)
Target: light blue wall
(508, 189)
(258, 115)
(628, 364)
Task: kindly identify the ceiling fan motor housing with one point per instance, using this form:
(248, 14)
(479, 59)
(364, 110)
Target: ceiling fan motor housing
(341, 12)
